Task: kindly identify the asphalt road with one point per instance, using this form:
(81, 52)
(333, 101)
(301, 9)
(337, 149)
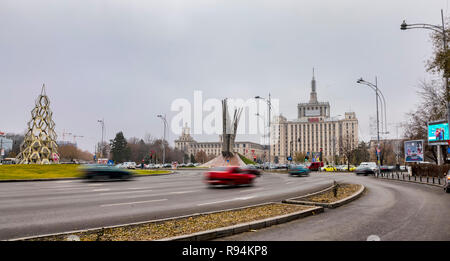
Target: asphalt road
(389, 210)
(45, 207)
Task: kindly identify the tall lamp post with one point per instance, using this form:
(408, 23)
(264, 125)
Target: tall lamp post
(377, 96)
(440, 29)
(264, 131)
(163, 117)
(102, 122)
(269, 105)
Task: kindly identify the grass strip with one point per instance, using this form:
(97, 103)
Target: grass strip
(182, 226)
(36, 171)
(149, 172)
(52, 171)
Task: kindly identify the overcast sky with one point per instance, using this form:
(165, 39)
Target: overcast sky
(127, 61)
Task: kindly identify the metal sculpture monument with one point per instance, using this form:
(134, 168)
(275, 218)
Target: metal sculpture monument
(39, 145)
(229, 129)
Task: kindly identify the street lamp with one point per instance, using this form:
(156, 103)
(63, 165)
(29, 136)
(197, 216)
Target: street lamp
(377, 96)
(163, 117)
(440, 29)
(102, 122)
(264, 131)
(269, 105)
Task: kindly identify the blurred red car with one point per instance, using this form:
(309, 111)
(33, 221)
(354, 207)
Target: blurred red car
(230, 176)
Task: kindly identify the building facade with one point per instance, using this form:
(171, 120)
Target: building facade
(250, 150)
(313, 133)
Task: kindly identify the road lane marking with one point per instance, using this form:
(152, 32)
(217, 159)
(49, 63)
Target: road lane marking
(131, 203)
(251, 190)
(104, 189)
(123, 192)
(64, 181)
(227, 200)
(183, 192)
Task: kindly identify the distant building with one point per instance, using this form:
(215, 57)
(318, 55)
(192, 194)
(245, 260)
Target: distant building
(250, 150)
(5, 145)
(313, 132)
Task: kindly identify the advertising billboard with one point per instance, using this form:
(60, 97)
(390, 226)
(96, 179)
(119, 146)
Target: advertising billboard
(414, 151)
(438, 132)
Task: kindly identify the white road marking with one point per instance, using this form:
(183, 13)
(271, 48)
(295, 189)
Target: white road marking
(97, 190)
(95, 184)
(64, 181)
(131, 203)
(227, 200)
(251, 190)
(183, 192)
(123, 192)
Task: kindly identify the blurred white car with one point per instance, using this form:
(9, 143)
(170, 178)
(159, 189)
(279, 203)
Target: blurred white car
(129, 165)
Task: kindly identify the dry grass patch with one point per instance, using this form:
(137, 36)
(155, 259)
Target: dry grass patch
(343, 191)
(183, 226)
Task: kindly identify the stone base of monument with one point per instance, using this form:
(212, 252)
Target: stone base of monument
(221, 161)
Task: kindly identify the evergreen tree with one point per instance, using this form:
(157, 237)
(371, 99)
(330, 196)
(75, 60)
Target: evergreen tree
(119, 149)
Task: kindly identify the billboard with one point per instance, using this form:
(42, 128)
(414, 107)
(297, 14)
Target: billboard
(438, 131)
(414, 151)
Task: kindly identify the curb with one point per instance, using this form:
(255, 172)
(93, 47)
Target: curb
(56, 179)
(245, 227)
(32, 180)
(412, 181)
(327, 205)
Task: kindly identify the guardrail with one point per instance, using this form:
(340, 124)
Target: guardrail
(399, 175)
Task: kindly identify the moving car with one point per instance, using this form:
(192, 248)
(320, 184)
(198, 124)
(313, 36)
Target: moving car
(364, 169)
(372, 165)
(104, 172)
(299, 170)
(231, 176)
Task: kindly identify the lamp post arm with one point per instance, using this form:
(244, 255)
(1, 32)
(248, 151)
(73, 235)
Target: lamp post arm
(436, 28)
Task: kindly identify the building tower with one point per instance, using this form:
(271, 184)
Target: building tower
(39, 145)
(313, 95)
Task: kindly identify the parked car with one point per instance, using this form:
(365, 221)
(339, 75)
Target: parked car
(315, 166)
(299, 170)
(329, 168)
(104, 172)
(252, 169)
(129, 165)
(345, 168)
(230, 176)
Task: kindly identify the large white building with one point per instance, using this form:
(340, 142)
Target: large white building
(313, 132)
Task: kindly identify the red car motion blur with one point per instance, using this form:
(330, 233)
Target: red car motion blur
(231, 176)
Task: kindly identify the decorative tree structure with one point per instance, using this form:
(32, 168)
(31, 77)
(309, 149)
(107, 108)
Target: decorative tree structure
(39, 145)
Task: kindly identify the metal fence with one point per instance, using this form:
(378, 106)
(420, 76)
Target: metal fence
(401, 175)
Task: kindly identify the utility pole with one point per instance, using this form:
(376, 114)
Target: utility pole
(163, 117)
